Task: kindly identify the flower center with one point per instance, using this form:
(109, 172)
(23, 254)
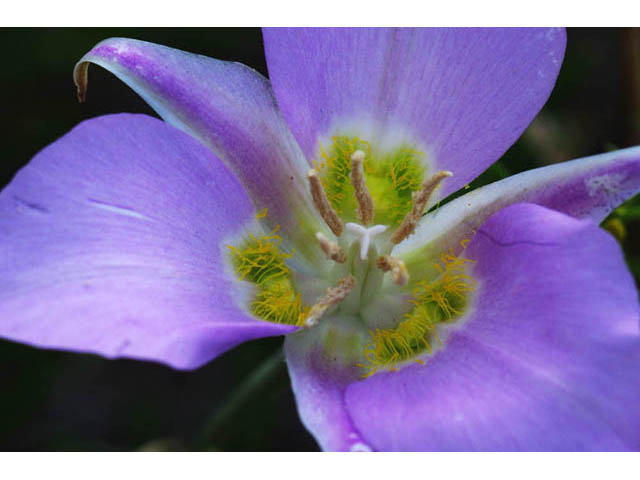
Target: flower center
(364, 284)
(365, 208)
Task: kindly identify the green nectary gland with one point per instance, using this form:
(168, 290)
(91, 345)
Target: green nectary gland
(391, 178)
(434, 302)
(261, 261)
(416, 333)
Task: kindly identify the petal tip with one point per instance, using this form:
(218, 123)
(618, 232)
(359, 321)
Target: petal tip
(81, 79)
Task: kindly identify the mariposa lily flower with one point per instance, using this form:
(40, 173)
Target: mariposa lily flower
(503, 320)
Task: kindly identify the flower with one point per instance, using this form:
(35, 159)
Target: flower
(503, 320)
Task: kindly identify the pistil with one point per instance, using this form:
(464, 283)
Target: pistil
(365, 235)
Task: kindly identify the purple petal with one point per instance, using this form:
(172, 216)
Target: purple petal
(466, 94)
(319, 390)
(547, 358)
(112, 241)
(227, 106)
(585, 188)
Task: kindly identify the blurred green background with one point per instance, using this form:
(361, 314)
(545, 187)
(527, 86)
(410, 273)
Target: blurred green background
(61, 401)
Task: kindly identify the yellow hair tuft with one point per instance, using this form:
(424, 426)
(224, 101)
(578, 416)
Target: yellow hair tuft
(278, 302)
(260, 260)
(391, 177)
(438, 301)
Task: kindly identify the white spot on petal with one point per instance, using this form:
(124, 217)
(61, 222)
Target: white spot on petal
(360, 447)
(124, 211)
(608, 184)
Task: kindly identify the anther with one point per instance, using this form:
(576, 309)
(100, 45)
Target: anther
(321, 202)
(365, 202)
(398, 269)
(332, 296)
(420, 201)
(331, 249)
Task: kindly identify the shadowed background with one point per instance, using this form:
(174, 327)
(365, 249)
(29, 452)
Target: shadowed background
(242, 400)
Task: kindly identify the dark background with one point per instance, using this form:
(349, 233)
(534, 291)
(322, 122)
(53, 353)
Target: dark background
(61, 401)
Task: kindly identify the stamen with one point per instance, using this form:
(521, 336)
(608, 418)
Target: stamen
(332, 296)
(420, 201)
(331, 249)
(325, 209)
(365, 202)
(398, 269)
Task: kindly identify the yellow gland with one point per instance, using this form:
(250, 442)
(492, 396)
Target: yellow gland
(261, 261)
(260, 258)
(393, 345)
(278, 302)
(438, 301)
(391, 178)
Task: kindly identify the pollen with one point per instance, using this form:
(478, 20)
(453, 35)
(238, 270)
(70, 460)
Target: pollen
(363, 197)
(433, 303)
(322, 204)
(333, 296)
(331, 249)
(397, 267)
(420, 201)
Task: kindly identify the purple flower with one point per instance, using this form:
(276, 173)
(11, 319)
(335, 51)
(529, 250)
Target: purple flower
(503, 320)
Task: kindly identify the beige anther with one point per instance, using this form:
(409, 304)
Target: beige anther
(331, 249)
(332, 296)
(420, 201)
(365, 202)
(321, 202)
(398, 269)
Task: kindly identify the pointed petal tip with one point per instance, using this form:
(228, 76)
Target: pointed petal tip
(81, 68)
(229, 108)
(81, 79)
